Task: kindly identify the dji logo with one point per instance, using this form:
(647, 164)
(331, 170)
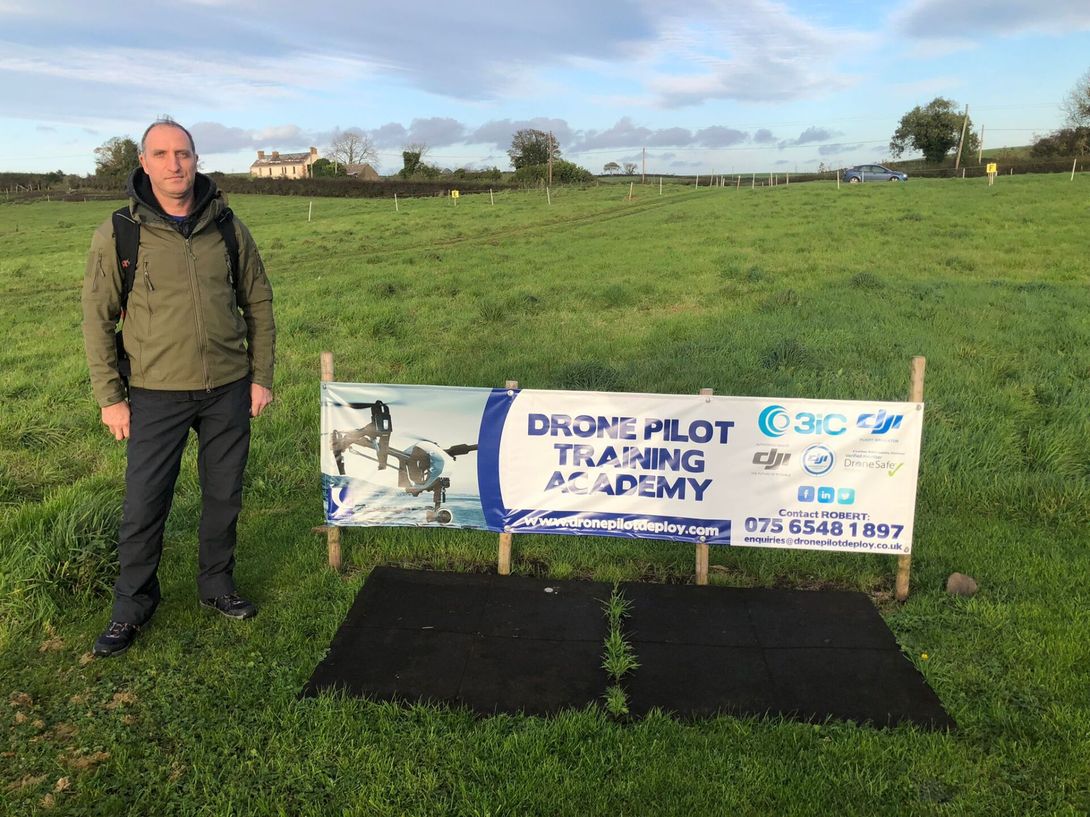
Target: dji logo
(880, 423)
(771, 459)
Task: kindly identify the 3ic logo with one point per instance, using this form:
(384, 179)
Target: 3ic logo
(879, 423)
(818, 460)
(771, 459)
(826, 495)
(774, 421)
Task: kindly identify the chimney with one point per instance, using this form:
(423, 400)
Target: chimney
(314, 151)
(260, 155)
(276, 155)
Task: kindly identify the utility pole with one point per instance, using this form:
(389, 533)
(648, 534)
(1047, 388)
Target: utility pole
(550, 158)
(980, 147)
(643, 175)
(961, 141)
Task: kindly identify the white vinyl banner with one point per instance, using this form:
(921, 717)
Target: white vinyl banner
(785, 473)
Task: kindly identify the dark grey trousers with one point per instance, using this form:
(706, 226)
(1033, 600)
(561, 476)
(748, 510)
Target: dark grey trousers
(159, 427)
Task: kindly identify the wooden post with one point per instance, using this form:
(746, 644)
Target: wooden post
(1073, 169)
(491, 197)
(332, 532)
(310, 212)
(549, 196)
(503, 559)
(915, 395)
(961, 140)
(396, 209)
(702, 547)
(660, 185)
(630, 186)
(698, 180)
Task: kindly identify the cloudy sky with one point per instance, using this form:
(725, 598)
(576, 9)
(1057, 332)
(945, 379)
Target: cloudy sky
(704, 86)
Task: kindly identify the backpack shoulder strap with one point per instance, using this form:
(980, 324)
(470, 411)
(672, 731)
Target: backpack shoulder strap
(127, 245)
(224, 221)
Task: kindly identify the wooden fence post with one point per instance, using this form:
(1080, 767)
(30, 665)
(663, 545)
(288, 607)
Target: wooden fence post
(332, 532)
(702, 547)
(915, 395)
(503, 559)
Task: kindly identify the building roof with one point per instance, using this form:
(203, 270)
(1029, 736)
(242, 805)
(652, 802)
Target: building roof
(276, 158)
(283, 159)
(364, 170)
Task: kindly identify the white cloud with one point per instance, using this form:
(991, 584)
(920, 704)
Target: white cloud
(82, 81)
(748, 50)
(974, 19)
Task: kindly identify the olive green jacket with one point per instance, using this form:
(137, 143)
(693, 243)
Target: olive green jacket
(186, 327)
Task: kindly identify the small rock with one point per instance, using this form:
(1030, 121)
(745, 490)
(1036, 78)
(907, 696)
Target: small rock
(961, 585)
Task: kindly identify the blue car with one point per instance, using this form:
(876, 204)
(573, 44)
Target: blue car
(872, 173)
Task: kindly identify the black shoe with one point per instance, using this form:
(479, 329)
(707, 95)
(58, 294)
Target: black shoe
(231, 605)
(117, 638)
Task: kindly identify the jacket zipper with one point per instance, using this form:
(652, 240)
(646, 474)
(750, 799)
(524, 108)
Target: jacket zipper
(196, 289)
(148, 285)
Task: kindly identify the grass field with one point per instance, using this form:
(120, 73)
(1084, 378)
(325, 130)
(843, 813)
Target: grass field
(799, 290)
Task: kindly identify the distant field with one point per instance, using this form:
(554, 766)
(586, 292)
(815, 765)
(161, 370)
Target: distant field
(799, 290)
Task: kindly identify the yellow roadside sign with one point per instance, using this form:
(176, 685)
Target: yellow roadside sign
(454, 194)
(992, 167)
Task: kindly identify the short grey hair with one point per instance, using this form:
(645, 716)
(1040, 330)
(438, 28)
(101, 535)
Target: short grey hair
(166, 120)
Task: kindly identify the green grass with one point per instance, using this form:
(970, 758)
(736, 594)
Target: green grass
(797, 290)
(618, 657)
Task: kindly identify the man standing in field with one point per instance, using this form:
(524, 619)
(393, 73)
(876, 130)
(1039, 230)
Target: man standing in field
(199, 338)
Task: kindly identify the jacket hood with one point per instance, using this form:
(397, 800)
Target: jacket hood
(204, 193)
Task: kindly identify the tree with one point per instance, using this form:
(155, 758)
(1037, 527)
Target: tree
(933, 130)
(116, 158)
(323, 169)
(412, 157)
(611, 168)
(351, 147)
(630, 168)
(1064, 142)
(563, 172)
(1077, 103)
(532, 147)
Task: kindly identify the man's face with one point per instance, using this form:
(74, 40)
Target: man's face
(170, 163)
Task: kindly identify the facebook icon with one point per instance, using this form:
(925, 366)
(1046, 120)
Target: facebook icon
(806, 493)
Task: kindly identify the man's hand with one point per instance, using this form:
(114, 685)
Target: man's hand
(260, 397)
(116, 418)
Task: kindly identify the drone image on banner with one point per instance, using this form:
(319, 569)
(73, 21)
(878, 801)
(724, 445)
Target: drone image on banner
(422, 466)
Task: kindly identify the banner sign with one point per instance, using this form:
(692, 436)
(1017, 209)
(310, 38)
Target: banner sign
(758, 472)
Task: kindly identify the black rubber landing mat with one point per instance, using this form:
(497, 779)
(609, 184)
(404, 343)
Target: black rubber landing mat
(491, 643)
(809, 655)
(516, 644)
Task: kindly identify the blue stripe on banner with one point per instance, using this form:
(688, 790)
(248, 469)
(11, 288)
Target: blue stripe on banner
(488, 456)
(636, 526)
